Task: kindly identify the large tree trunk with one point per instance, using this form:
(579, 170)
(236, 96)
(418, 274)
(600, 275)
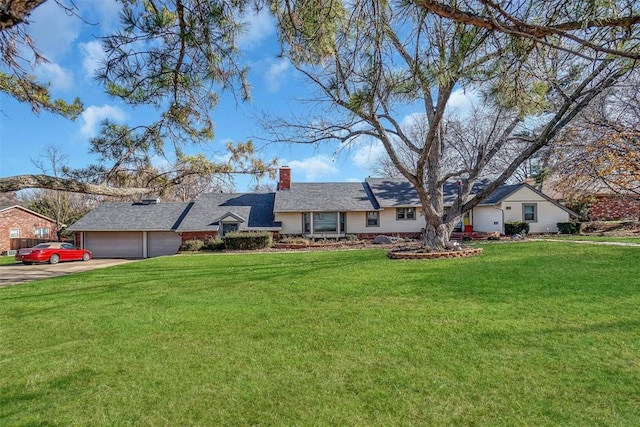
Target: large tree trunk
(436, 236)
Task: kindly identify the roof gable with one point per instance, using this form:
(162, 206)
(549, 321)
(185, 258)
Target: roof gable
(8, 207)
(252, 210)
(521, 186)
(231, 215)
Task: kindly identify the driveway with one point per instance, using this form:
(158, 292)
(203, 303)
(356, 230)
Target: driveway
(13, 274)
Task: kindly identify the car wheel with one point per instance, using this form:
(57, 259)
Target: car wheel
(55, 258)
(86, 257)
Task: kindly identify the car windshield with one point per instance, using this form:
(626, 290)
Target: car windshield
(42, 246)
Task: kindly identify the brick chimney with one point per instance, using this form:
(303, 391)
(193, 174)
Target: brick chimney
(285, 178)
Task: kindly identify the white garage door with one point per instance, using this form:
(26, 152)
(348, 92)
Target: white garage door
(121, 244)
(163, 243)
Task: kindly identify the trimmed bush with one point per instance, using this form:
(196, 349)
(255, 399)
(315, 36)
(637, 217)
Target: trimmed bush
(192, 245)
(214, 245)
(248, 240)
(295, 240)
(511, 228)
(572, 227)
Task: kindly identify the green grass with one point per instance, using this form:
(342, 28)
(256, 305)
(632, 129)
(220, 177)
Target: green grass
(539, 333)
(4, 260)
(579, 237)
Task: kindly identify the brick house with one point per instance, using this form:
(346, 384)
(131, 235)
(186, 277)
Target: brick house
(613, 207)
(21, 225)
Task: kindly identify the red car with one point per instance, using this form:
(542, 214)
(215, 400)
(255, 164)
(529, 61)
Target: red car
(53, 252)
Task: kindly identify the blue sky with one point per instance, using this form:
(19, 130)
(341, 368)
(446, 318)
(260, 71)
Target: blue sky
(73, 52)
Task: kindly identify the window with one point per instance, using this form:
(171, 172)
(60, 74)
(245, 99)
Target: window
(306, 220)
(14, 233)
(325, 222)
(405, 213)
(373, 219)
(41, 232)
(529, 212)
(228, 227)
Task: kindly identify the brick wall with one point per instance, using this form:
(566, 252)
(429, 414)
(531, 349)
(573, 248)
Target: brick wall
(25, 222)
(612, 208)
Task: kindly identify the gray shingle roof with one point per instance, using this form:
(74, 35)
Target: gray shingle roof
(133, 217)
(398, 192)
(391, 192)
(208, 209)
(325, 197)
(500, 194)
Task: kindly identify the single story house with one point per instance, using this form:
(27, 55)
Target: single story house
(152, 228)
(314, 210)
(20, 227)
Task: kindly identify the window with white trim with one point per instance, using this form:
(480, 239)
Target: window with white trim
(41, 232)
(373, 219)
(405, 213)
(14, 233)
(530, 212)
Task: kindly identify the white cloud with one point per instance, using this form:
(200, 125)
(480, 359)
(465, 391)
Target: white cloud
(366, 155)
(54, 30)
(461, 101)
(276, 75)
(92, 117)
(92, 56)
(258, 26)
(59, 78)
(313, 168)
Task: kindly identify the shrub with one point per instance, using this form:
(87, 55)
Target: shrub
(511, 228)
(572, 227)
(296, 240)
(248, 240)
(192, 245)
(214, 245)
(351, 237)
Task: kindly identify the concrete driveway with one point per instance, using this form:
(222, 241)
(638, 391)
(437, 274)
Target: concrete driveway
(13, 274)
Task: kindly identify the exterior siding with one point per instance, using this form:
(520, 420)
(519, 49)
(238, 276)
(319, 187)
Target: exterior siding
(487, 219)
(291, 222)
(26, 223)
(389, 223)
(547, 214)
(356, 223)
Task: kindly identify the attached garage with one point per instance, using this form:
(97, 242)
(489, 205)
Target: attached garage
(114, 244)
(163, 243)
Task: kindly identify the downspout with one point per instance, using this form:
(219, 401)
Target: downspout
(502, 220)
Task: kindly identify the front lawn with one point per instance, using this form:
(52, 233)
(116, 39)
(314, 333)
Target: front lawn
(4, 260)
(536, 333)
(592, 238)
